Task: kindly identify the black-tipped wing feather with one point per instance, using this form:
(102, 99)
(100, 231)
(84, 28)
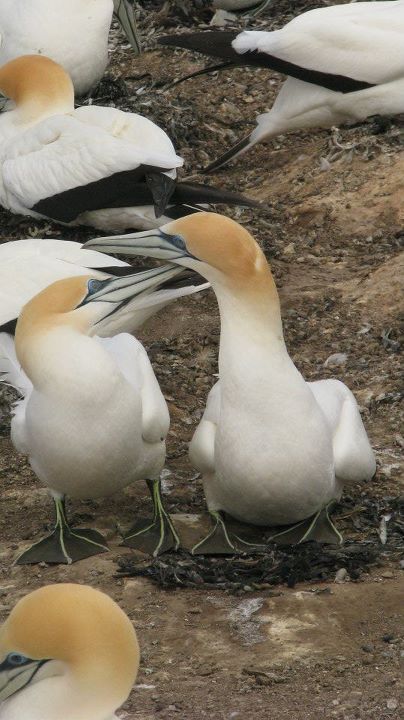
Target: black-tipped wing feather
(192, 193)
(218, 44)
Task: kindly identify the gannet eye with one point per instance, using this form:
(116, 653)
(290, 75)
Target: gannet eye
(16, 659)
(94, 285)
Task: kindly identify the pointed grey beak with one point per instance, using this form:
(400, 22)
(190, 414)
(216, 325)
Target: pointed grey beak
(118, 292)
(125, 12)
(151, 243)
(15, 677)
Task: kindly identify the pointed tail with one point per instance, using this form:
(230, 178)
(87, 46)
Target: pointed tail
(194, 194)
(238, 149)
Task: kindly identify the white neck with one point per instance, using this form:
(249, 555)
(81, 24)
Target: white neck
(57, 698)
(253, 357)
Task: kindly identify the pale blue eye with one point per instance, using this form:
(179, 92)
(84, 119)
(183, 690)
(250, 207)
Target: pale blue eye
(16, 659)
(94, 286)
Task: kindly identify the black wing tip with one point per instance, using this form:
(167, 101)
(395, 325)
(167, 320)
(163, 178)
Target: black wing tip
(228, 155)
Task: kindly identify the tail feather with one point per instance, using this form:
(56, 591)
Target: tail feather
(203, 71)
(217, 43)
(11, 372)
(230, 154)
(197, 193)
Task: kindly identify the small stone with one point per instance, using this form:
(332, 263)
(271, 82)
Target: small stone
(401, 564)
(336, 359)
(341, 576)
(368, 648)
(289, 249)
(387, 638)
(392, 704)
(387, 574)
(368, 660)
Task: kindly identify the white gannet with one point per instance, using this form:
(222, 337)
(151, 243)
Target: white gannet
(74, 33)
(67, 652)
(272, 448)
(344, 63)
(92, 166)
(29, 266)
(92, 418)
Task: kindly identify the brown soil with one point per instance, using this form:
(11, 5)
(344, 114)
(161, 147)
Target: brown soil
(332, 231)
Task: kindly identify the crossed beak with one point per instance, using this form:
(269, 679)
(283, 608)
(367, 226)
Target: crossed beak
(125, 12)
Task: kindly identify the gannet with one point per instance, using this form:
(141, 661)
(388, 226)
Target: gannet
(67, 652)
(29, 266)
(273, 449)
(95, 165)
(92, 418)
(344, 63)
(74, 33)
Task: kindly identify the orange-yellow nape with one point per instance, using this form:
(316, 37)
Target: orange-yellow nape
(221, 243)
(78, 625)
(36, 78)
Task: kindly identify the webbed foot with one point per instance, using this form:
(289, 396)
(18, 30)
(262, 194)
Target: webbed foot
(223, 540)
(318, 527)
(157, 535)
(64, 545)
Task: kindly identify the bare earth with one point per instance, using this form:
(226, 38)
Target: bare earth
(332, 227)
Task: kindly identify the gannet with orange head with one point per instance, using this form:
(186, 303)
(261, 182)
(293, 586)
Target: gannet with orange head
(272, 448)
(94, 165)
(93, 418)
(67, 652)
(73, 33)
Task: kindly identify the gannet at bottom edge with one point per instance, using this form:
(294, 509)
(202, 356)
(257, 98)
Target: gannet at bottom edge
(67, 652)
(272, 449)
(92, 419)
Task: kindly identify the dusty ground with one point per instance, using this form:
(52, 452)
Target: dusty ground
(332, 228)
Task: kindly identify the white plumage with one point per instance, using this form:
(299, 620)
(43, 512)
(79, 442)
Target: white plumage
(95, 165)
(74, 33)
(272, 449)
(328, 54)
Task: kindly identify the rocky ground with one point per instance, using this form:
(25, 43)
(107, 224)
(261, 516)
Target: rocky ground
(332, 228)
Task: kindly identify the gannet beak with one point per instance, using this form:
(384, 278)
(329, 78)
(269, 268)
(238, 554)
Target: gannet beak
(152, 243)
(16, 672)
(118, 292)
(125, 12)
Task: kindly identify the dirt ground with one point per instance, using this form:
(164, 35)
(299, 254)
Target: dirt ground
(332, 226)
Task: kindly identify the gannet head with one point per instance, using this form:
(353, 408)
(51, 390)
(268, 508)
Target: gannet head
(38, 86)
(214, 245)
(80, 303)
(73, 631)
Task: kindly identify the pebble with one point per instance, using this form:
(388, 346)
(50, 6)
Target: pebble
(368, 648)
(387, 574)
(342, 576)
(336, 359)
(392, 704)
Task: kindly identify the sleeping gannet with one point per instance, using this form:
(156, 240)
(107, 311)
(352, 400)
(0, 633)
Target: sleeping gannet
(92, 166)
(92, 418)
(29, 266)
(66, 652)
(272, 449)
(344, 63)
(74, 33)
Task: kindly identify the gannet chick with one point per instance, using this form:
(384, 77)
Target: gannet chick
(272, 449)
(95, 165)
(73, 33)
(344, 63)
(67, 652)
(92, 419)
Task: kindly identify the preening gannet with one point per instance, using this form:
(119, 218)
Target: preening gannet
(92, 418)
(92, 166)
(67, 652)
(344, 63)
(272, 449)
(29, 266)
(74, 33)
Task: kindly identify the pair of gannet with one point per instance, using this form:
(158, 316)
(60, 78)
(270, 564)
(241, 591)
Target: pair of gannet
(67, 652)
(95, 165)
(344, 63)
(92, 418)
(74, 33)
(272, 448)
